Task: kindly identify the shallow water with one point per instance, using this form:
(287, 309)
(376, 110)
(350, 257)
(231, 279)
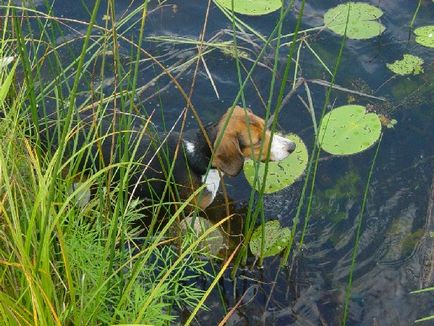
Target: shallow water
(395, 253)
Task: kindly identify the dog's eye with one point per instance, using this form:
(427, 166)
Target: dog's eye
(251, 142)
(258, 142)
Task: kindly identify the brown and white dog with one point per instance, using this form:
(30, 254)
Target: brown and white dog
(170, 167)
(243, 136)
(238, 135)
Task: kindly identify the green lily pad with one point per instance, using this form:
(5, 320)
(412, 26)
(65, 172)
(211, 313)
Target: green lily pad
(362, 21)
(392, 123)
(213, 243)
(251, 7)
(410, 64)
(349, 129)
(276, 239)
(280, 174)
(425, 36)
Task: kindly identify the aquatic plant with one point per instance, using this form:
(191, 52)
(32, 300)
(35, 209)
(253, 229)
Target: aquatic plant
(356, 20)
(409, 65)
(251, 7)
(269, 239)
(425, 35)
(349, 129)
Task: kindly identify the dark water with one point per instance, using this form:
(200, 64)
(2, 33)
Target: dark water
(396, 253)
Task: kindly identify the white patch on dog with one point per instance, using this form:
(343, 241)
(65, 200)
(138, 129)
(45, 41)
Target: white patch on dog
(280, 148)
(212, 181)
(189, 146)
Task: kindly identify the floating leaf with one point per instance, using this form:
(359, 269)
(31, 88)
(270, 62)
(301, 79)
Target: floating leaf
(213, 243)
(425, 36)
(410, 64)
(362, 21)
(386, 121)
(276, 239)
(349, 129)
(280, 174)
(251, 7)
(234, 52)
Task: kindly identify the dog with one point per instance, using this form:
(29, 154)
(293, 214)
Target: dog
(238, 135)
(170, 167)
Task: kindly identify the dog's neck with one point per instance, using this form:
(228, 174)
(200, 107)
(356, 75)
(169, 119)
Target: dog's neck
(197, 149)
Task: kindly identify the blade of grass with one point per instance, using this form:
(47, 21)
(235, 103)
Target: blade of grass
(355, 250)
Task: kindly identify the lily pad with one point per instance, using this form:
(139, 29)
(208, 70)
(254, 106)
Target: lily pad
(410, 64)
(276, 239)
(425, 36)
(362, 20)
(251, 7)
(349, 129)
(280, 174)
(213, 243)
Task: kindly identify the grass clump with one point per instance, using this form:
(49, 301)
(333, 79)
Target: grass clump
(57, 269)
(60, 262)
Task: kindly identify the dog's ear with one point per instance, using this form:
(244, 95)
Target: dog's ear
(228, 156)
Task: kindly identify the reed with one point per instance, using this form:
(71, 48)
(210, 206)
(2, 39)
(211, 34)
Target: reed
(62, 263)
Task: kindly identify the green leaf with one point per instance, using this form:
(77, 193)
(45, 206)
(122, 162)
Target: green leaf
(348, 129)
(362, 21)
(211, 244)
(425, 36)
(6, 84)
(280, 174)
(276, 239)
(251, 7)
(410, 64)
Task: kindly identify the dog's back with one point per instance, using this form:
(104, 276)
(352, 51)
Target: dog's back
(154, 163)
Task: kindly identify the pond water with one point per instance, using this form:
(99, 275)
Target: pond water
(396, 251)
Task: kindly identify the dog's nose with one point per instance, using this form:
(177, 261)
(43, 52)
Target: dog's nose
(291, 146)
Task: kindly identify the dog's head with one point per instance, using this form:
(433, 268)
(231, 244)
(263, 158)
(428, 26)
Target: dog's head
(244, 135)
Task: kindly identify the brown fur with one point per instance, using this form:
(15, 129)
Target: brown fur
(242, 138)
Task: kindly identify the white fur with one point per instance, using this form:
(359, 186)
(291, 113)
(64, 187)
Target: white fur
(212, 181)
(279, 148)
(189, 146)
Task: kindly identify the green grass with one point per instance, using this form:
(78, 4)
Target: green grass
(57, 261)
(61, 263)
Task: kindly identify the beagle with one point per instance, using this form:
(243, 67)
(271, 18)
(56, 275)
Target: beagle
(170, 167)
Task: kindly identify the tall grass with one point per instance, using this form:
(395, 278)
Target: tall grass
(62, 262)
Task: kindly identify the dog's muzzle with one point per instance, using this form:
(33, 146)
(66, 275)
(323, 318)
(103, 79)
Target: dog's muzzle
(280, 148)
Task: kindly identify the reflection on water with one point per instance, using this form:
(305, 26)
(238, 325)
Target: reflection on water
(396, 252)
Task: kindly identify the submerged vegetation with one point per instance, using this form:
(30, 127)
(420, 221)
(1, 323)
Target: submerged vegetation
(72, 247)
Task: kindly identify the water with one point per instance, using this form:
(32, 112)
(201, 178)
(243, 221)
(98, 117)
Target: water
(395, 254)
